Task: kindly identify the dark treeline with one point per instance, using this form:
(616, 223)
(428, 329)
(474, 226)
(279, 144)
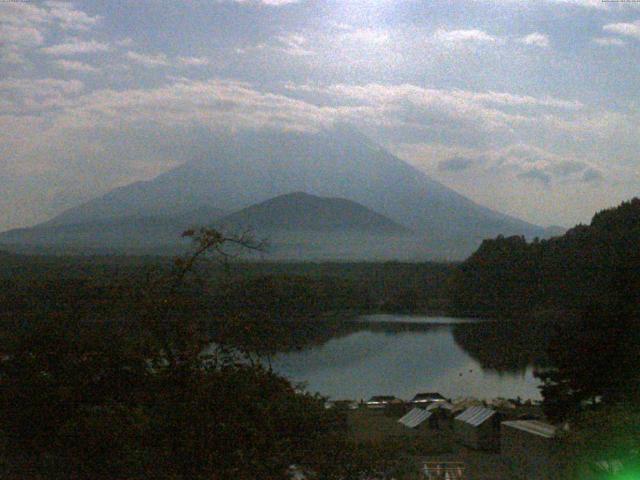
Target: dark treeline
(596, 264)
(41, 283)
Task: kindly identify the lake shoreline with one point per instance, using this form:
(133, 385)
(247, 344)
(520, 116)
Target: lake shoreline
(351, 356)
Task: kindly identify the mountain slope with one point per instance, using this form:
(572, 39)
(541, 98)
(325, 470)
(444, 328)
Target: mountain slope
(232, 173)
(134, 234)
(303, 212)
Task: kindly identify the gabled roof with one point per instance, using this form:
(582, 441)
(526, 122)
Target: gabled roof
(415, 417)
(533, 427)
(476, 416)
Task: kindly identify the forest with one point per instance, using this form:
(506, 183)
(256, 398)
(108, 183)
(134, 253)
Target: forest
(558, 278)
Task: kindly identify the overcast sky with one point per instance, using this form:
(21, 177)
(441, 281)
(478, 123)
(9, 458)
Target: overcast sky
(531, 107)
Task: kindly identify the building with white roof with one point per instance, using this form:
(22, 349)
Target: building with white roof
(478, 428)
(529, 449)
(415, 418)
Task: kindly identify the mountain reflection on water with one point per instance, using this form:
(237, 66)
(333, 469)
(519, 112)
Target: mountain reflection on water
(402, 355)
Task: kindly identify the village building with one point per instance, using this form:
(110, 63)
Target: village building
(528, 447)
(382, 401)
(478, 428)
(417, 418)
(442, 413)
(421, 399)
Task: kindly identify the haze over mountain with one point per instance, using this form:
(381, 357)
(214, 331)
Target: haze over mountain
(232, 173)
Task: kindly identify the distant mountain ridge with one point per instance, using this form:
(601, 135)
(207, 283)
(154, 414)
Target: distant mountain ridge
(232, 173)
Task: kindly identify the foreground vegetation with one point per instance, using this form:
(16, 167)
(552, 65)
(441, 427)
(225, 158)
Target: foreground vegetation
(139, 399)
(102, 372)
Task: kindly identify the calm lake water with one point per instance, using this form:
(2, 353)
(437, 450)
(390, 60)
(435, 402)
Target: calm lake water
(402, 355)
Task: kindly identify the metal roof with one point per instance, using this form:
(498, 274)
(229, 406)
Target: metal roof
(534, 427)
(476, 416)
(415, 417)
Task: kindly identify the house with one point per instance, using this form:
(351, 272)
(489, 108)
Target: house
(529, 448)
(443, 413)
(382, 401)
(417, 417)
(427, 398)
(478, 428)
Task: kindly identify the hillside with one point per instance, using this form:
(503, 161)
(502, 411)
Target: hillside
(590, 267)
(303, 212)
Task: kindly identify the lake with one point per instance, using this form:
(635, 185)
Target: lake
(405, 354)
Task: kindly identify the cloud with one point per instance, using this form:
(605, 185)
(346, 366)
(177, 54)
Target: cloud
(609, 41)
(455, 164)
(124, 42)
(367, 36)
(599, 4)
(463, 36)
(626, 29)
(596, 4)
(23, 14)
(10, 56)
(194, 61)
(25, 25)
(591, 175)
(450, 109)
(18, 35)
(74, 66)
(269, 3)
(76, 47)
(215, 103)
(515, 161)
(537, 175)
(68, 17)
(293, 44)
(38, 95)
(535, 39)
(565, 168)
(148, 60)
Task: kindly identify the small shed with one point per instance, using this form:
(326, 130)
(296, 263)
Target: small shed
(529, 448)
(478, 428)
(416, 417)
(443, 413)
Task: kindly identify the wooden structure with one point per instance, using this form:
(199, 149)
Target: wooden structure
(528, 447)
(478, 428)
